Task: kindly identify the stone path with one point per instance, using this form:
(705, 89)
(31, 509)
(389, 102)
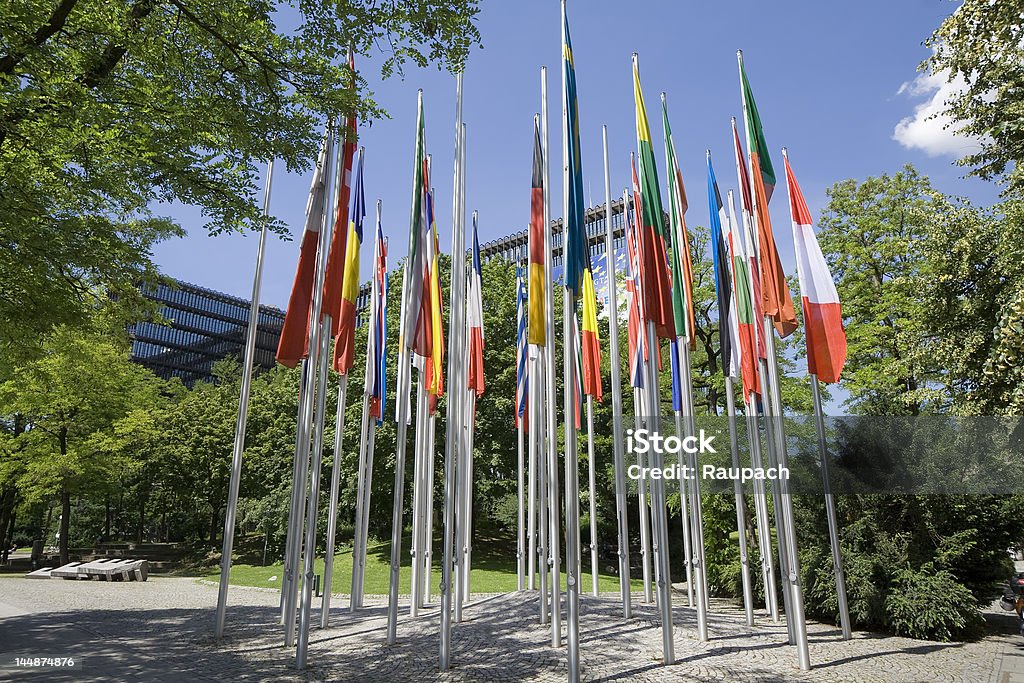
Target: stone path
(161, 630)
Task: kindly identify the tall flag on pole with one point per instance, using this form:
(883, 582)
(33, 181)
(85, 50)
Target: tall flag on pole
(522, 303)
(435, 363)
(344, 343)
(746, 244)
(537, 278)
(746, 315)
(653, 255)
(417, 303)
(578, 374)
(682, 261)
(778, 303)
(590, 349)
(377, 337)
(337, 257)
(728, 337)
(291, 347)
(823, 315)
(637, 339)
(475, 320)
(577, 259)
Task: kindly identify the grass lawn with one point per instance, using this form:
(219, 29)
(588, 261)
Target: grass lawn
(494, 570)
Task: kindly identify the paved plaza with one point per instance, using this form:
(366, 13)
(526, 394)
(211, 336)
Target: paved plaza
(161, 630)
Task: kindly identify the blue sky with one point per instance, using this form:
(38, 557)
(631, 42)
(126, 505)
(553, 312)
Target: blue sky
(832, 81)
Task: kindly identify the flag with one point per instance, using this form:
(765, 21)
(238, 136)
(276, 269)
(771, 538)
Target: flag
(778, 303)
(577, 258)
(416, 332)
(823, 315)
(744, 294)
(654, 261)
(537, 277)
(578, 374)
(682, 261)
(291, 346)
(377, 336)
(522, 303)
(677, 378)
(641, 272)
(344, 342)
(337, 256)
(728, 341)
(747, 245)
(637, 338)
(475, 319)
(590, 349)
(435, 369)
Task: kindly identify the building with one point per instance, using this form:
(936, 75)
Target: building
(200, 327)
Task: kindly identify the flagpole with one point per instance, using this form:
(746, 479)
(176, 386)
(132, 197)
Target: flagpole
(796, 618)
(520, 511)
(753, 432)
(531, 476)
(455, 378)
(684, 505)
(332, 510)
(458, 395)
(537, 418)
(616, 378)
(572, 525)
(319, 348)
(468, 497)
(402, 399)
(296, 505)
(358, 542)
(243, 414)
(638, 411)
(592, 495)
(416, 582)
(552, 566)
(741, 526)
(307, 394)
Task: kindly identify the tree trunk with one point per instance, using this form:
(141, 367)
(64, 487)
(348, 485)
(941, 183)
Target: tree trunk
(65, 518)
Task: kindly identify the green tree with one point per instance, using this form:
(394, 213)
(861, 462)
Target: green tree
(69, 400)
(109, 108)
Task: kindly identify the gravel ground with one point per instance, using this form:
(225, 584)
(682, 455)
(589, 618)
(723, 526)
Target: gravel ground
(161, 630)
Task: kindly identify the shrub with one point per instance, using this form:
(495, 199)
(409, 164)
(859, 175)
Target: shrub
(931, 605)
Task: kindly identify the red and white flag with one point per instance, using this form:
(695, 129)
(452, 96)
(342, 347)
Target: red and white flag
(475, 320)
(823, 315)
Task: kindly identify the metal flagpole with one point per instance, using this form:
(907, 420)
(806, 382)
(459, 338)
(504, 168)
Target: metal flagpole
(592, 495)
(428, 558)
(468, 495)
(531, 477)
(572, 523)
(415, 599)
(553, 506)
(455, 378)
(243, 414)
(403, 392)
(641, 484)
(684, 505)
(663, 575)
(295, 508)
(458, 395)
(622, 521)
(741, 526)
(520, 513)
(307, 394)
(358, 543)
(537, 383)
(791, 566)
(830, 511)
(696, 514)
(332, 510)
(319, 348)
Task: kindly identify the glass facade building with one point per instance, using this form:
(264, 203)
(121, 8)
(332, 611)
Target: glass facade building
(200, 327)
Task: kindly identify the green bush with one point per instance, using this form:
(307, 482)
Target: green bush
(932, 606)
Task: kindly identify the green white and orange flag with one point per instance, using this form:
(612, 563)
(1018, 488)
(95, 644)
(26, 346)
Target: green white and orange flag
(435, 364)
(344, 343)
(777, 301)
(653, 259)
(682, 261)
(537, 278)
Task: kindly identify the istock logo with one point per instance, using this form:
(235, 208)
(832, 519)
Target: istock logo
(643, 441)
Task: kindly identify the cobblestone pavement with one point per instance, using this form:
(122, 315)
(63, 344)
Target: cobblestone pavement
(161, 630)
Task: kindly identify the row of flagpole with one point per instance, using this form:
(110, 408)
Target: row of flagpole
(751, 255)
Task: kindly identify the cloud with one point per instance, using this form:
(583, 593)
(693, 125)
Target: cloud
(930, 129)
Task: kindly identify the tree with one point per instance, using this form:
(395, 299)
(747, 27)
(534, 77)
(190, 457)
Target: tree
(68, 400)
(982, 45)
(109, 108)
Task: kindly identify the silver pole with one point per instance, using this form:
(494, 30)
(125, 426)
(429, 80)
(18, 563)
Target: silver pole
(830, 511)
(621, 503)
(761, 510)
(696, 513)
(332, 510)
(520, 511)
(243, 415)
(358, 542)
(428, 560)
(364, 532)
(531, 477)
(639, 407)
(553, 507)
(402, 398)
(536, 383)
(455, 380)
(308, 394)
(418, 476)
(684, 513)
(741, 526)
(663, 575)
(592, 494)
(468, 497)
(296, 507)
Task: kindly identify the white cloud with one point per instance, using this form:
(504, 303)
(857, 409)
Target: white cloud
(930, 129)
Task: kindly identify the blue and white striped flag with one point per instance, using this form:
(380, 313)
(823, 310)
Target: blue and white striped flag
(522, 303)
